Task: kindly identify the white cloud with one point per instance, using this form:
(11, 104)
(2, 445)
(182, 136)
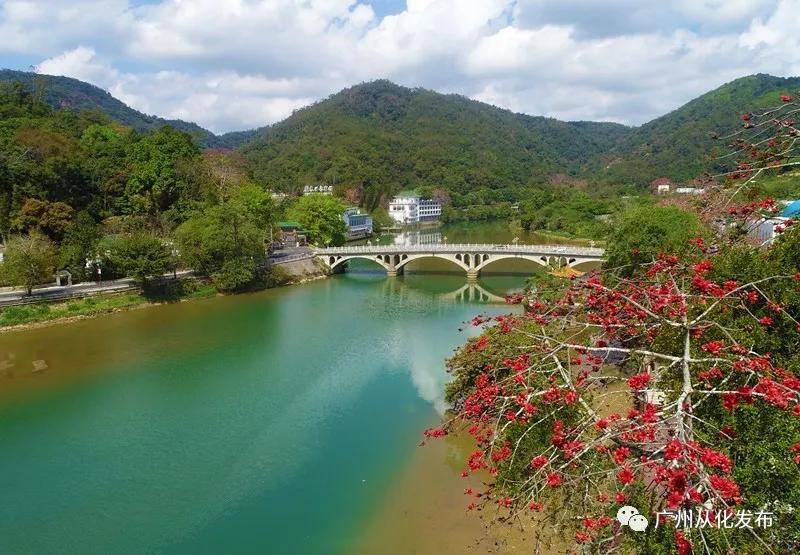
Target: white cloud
(80, 63)
(244, 63)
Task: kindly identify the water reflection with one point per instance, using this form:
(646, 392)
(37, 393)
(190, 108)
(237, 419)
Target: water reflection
(217, 426)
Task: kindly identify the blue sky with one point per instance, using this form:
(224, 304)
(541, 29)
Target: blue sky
(244, 63)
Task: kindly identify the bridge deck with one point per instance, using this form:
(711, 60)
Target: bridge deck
(552, 250)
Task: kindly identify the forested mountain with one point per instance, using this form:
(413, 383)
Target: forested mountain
(380, 137)
(65, 92)
(679, 145)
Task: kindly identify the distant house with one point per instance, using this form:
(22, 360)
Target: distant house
(661, 186)
(358, 225)
(766, 230)
(318, 190)
(410, 208)
(293, 234)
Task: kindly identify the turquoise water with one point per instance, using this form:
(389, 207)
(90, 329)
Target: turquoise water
(265, 423)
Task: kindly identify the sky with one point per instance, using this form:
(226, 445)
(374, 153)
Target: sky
(237, 64)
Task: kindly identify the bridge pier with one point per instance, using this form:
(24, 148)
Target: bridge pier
(472, 275)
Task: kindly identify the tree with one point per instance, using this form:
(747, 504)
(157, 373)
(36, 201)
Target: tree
(321, 216)
(79, 245)
(672, 385)
(156, 181)
(29, 260)
(226, 241)
(50, 218)
(676, 353)
(645, 231)
(139, 255)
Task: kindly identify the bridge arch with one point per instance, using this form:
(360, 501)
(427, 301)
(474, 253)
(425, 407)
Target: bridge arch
(488, 260)
(449, 257)
(336, 261)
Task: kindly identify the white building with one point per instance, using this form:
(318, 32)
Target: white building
(358, 225)
(412, 209)
(764, 231)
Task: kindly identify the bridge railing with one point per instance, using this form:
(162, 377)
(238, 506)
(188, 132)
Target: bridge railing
(553, 250)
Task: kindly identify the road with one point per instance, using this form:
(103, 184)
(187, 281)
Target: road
(16, 295)
(12, 296)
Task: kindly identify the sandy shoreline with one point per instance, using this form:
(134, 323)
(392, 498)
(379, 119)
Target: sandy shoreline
(424, 511)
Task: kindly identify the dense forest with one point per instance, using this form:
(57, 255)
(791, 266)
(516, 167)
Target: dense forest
(65, 92)
(380, 138)
(377, 138)
(65, 141)
(680, 144)
(83, 192)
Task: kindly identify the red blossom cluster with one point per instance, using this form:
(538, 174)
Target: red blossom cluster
(575, 345)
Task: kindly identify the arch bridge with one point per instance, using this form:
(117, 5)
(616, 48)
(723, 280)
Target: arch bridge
(470, 258)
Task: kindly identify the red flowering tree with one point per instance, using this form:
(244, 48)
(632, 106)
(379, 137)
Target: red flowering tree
(646, 388)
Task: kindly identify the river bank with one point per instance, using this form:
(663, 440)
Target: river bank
(43, 314)
(425, 512)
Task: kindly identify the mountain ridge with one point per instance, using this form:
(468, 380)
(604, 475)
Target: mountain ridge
(378, 132)
(67, 92)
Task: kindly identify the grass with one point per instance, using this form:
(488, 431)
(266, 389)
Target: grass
(89, 306)
(171, 291)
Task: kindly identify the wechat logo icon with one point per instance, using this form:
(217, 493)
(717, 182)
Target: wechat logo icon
(630, 517)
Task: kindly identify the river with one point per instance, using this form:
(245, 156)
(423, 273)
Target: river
(279, 422)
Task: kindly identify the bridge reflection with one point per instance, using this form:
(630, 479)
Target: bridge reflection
(450, 289)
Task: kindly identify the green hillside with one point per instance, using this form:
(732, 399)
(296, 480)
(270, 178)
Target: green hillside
(679, 145)
(383, 138)
(65, 92)
(378, 138)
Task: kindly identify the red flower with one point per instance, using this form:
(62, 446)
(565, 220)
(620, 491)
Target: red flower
(639, 381)
(673, 450)
(625, 476)
(553, 480)
(713, 347)
(786, 98)
(726, 488)
(582, 537)
(796, 449)
(682, 544)
(620, 454)
(716, 459)
(535, 506)
(539, 461)
(765, 321)
(619, 497)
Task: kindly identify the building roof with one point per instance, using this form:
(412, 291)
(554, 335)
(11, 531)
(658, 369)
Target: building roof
(792, 210)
